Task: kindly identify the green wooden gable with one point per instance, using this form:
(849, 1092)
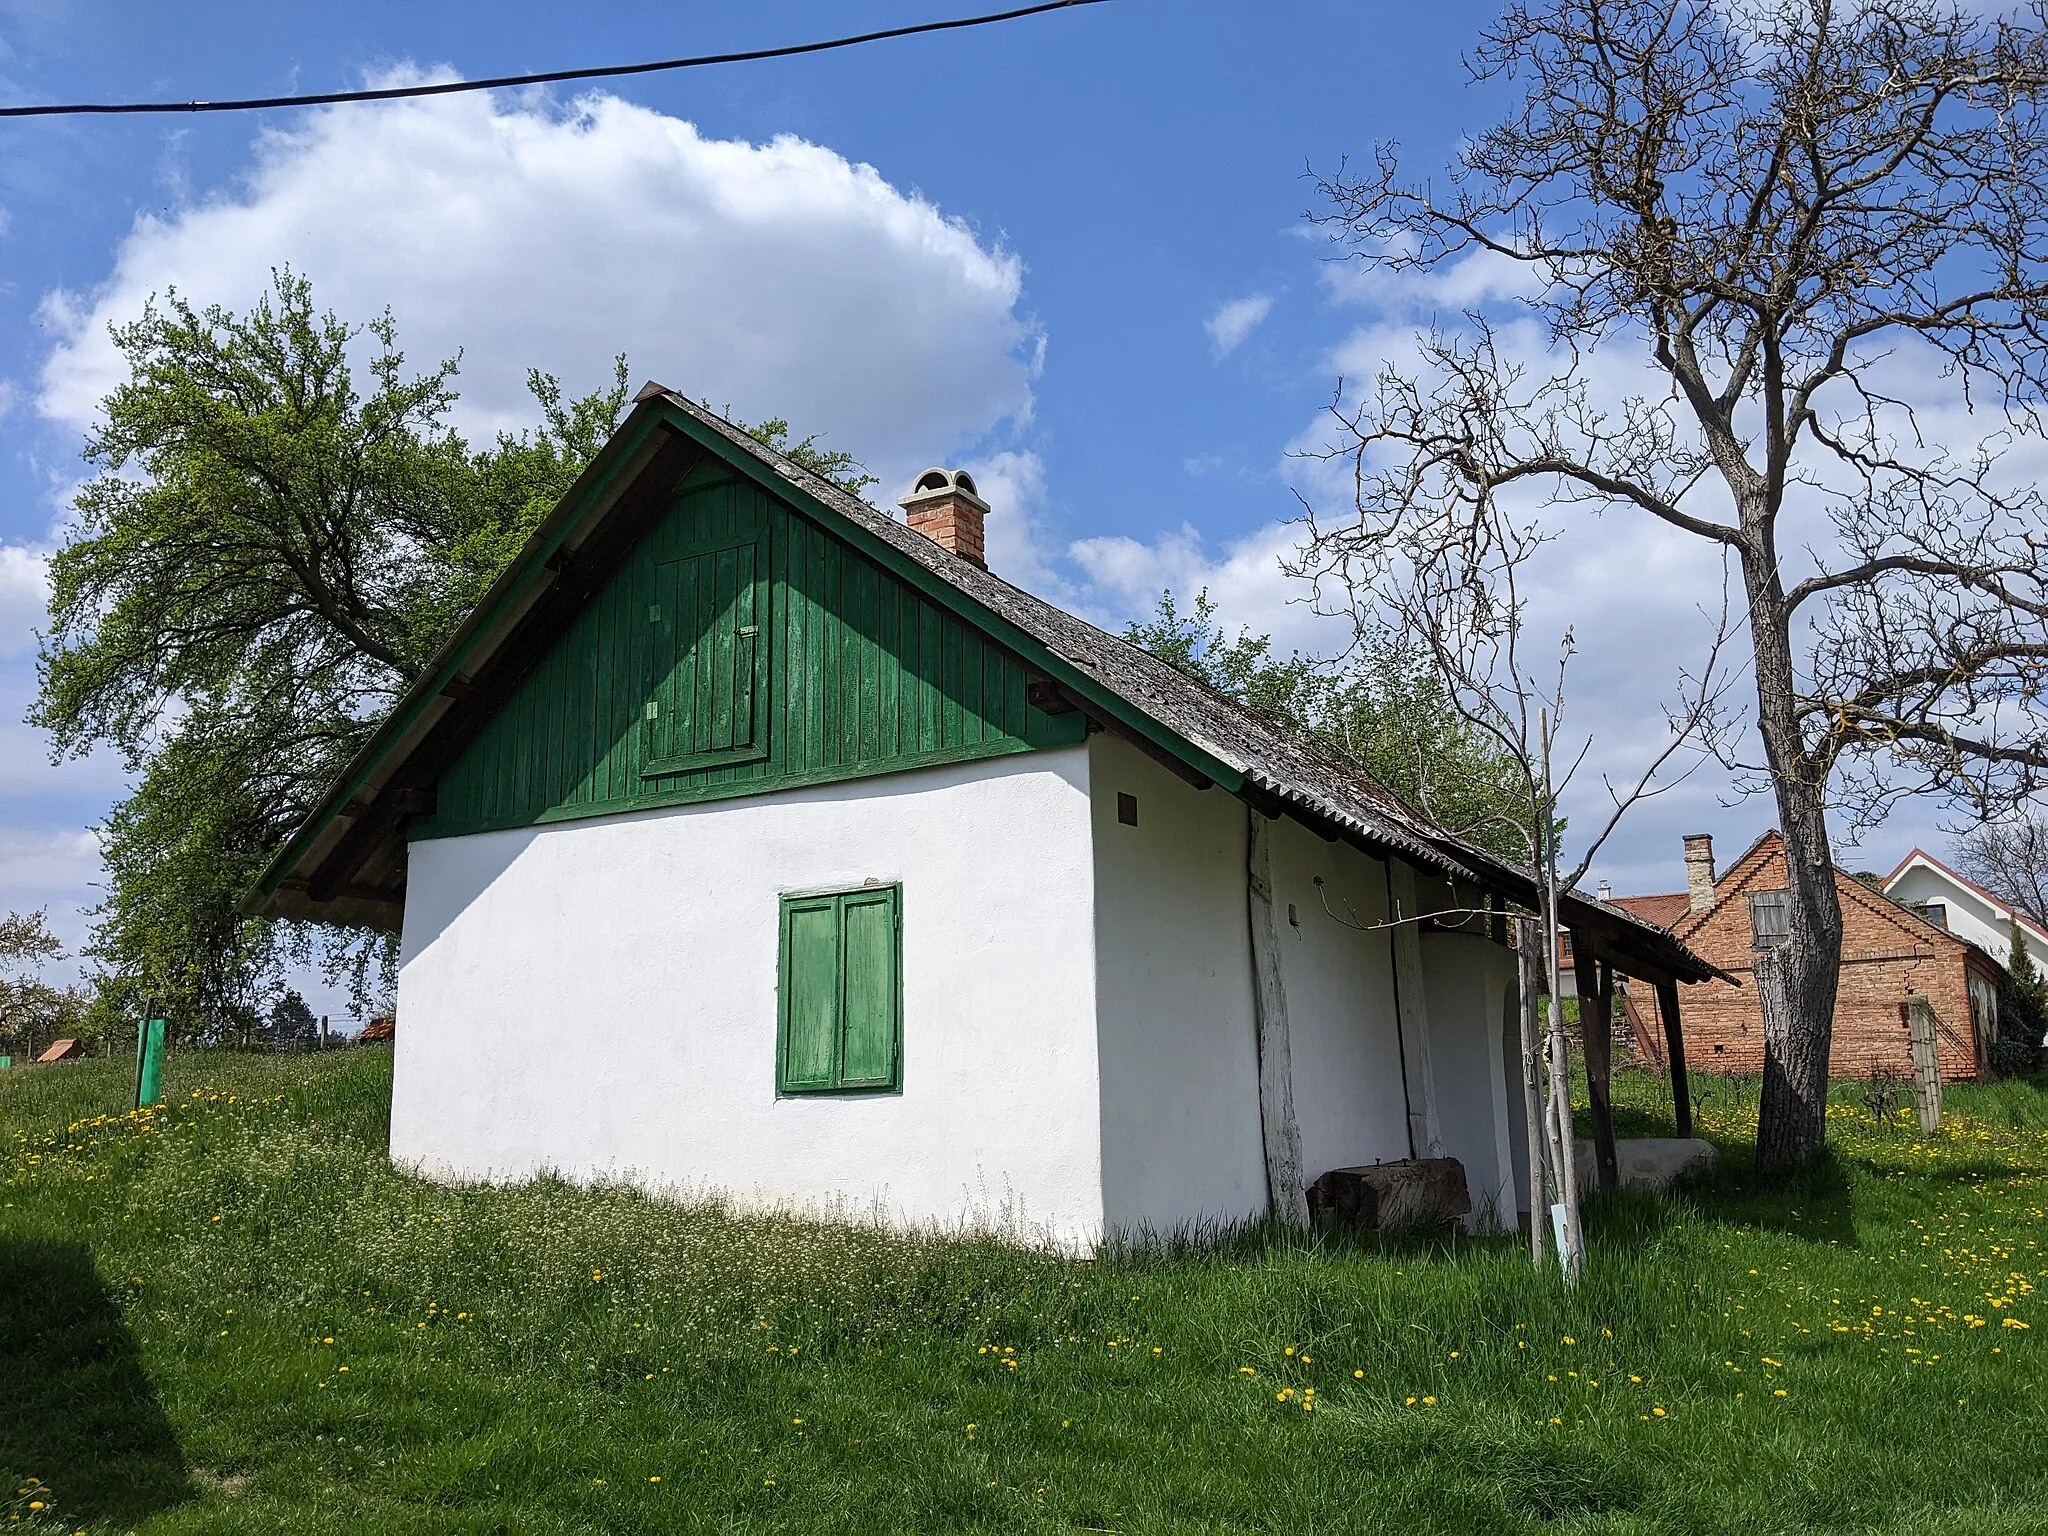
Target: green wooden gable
(739, 649)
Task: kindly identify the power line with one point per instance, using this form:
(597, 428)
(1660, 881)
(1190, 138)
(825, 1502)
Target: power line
(501, 82)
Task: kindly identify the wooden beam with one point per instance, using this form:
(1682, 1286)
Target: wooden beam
(1165, 759)
(1674, 1046)
(495, 679)
(1285, 1188)
(1048, 697)
(1596, 1026)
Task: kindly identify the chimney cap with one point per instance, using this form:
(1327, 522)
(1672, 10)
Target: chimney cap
(939, 482)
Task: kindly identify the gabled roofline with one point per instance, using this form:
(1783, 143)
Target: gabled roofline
(1748, 862)
(1997, 904)
(1204, 736)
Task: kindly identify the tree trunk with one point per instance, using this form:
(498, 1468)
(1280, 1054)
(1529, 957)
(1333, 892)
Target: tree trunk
(1795, 981)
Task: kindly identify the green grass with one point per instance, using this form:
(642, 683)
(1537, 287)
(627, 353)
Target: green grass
(231, 1315)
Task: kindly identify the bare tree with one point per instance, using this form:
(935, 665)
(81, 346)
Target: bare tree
(1454, 581)
(1790, 217)
(2009, 858)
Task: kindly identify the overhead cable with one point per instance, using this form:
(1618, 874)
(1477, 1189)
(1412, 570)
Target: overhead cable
(547, 77)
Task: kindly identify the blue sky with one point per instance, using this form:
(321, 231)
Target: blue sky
(1077, 262)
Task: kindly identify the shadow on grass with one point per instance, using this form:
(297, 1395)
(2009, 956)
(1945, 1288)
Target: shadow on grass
(76, 1409)
(1814, 1204)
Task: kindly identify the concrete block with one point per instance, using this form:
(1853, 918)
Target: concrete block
(1650, 1162)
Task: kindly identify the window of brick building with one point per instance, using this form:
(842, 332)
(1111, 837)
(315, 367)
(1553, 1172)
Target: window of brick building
(1770, 918)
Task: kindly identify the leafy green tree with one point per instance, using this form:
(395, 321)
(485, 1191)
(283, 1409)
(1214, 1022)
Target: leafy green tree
(1381, 711)
(2022, 1011)
(269, 554)
(290, 1025)
(32, 1011)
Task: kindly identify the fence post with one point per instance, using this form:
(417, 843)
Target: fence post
(1926, 1063)
(149, 1061)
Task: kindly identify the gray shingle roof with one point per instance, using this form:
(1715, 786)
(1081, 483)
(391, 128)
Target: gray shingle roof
(1212, 736)
(1288, 770)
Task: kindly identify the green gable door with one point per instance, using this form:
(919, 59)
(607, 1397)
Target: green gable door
(710, 661)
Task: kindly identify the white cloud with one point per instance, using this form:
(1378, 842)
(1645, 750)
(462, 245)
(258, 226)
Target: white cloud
(54, 869)
(1236, 320)
(1013, 485)
(24, 595)
(1244, 580)
(777, 278)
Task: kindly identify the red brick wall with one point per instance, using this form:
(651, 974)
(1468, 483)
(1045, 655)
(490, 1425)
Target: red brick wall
(1887, 956)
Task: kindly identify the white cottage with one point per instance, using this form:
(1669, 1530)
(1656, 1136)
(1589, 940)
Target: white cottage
(1958, 904)
(746, 839)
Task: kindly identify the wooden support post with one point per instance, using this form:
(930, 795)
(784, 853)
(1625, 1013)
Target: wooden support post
(1425, 1128)
(1674, 1046)
(1529, 990)
(1596, 1027)
(1284, 1186)
(1926, 1063)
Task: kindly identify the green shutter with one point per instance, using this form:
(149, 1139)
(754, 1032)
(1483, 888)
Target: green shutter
(810, 993)
(840, 991)
(869, 989)
(709, 662)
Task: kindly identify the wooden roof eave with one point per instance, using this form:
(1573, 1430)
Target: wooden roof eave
(1160, 711)
(475, 642)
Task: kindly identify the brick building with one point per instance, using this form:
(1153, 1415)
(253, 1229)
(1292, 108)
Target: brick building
(1888, 955)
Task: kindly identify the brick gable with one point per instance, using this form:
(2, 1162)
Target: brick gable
(1888, 955)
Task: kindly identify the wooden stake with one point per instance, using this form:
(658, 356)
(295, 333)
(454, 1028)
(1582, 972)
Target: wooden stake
(1596, 1025)
(1674, 1046)
(1284, 1188)
(1529, 934)
(1926, 1063)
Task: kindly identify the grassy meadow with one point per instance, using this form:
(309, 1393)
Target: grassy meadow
(230, 1315)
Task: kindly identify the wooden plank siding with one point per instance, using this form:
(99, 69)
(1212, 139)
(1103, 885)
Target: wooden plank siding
(863, 675)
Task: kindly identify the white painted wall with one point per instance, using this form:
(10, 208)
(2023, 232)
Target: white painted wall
(1181, 1144)
(1970, 916)
(1181, 1139)
(1466, 977)
(597, 999)
(1348, 1094)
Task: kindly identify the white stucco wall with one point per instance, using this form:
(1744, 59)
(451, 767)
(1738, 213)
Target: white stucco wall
(1466, 977)
(597, 999)
(1339, 980)
(1181, 1142)
(1970, 916)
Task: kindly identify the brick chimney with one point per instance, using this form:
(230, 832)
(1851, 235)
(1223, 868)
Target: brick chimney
(1699, 870)
(944, 506)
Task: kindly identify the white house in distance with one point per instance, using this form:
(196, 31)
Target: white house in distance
(1951, 901)
(747, 839)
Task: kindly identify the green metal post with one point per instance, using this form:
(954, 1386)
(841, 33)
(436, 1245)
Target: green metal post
(149, 1063)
